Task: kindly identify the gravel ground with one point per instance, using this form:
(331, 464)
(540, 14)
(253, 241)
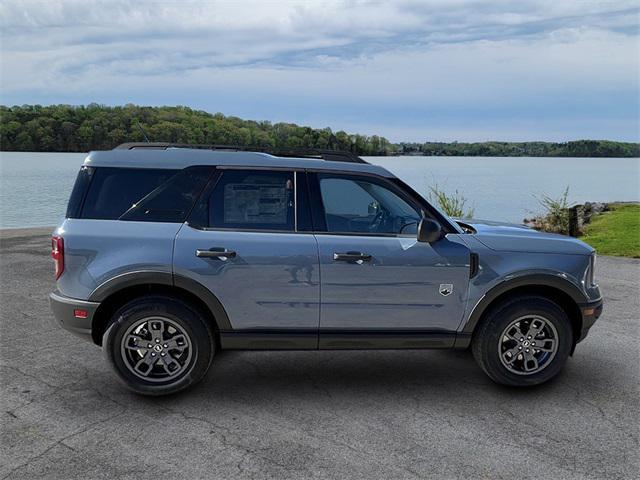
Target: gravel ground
(340, 414)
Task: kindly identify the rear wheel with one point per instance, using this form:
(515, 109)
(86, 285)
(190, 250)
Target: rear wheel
(524, 341)
(159, 345)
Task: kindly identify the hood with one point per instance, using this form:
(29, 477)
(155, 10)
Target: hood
(509, 237)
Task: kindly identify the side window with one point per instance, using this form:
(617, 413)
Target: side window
(357, 205)
(172, 200)
(113, 191)
(253, 199)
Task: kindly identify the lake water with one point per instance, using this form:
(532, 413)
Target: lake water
(35, 187)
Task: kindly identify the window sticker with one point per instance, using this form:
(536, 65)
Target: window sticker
(255, 203)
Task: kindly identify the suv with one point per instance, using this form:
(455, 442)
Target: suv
(170, 253)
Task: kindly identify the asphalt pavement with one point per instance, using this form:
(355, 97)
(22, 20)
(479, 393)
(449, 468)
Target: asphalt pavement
(328, 414)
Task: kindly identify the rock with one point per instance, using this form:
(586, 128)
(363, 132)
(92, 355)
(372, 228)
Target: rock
(579, 216)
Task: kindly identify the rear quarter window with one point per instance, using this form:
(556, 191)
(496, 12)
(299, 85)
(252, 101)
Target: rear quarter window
(172, 200)
(113, 191)
(83, 180)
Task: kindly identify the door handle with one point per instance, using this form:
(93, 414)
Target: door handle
(219, 253)
(352, 257)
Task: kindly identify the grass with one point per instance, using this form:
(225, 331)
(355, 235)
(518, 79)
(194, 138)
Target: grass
(556, 218)
(453, 204)
(616, 232)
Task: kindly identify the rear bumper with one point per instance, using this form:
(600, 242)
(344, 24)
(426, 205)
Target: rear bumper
(69, 313)
(591, 311)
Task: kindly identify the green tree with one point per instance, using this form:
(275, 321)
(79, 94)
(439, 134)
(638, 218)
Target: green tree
(99, 127)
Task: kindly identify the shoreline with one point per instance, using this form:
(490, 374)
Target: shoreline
(390, 155)
(10, 232)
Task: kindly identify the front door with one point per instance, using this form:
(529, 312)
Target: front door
(243, 244)
(376, 277)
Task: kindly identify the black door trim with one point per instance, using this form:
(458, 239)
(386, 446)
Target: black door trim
(385, 339)
(258, 339)
(292, 339)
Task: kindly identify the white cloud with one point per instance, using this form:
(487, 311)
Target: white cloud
(401, 64)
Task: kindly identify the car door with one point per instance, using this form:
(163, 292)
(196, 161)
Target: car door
(377, 280)
(245, 243)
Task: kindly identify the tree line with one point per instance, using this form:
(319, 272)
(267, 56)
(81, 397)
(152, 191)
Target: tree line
(577, 148)
(66, 128)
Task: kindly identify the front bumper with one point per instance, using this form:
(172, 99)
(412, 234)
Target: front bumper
(73, 315)
(591, 311)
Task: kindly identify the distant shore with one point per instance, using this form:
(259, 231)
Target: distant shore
(388, 155)
(67, 128)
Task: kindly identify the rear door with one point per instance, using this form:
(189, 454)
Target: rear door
(249, 242)
(376, 277)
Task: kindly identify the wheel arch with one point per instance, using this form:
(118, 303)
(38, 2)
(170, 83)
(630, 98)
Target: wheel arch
(121, 289)
(562, 292)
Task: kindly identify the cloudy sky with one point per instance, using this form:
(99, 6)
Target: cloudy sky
(407, 69)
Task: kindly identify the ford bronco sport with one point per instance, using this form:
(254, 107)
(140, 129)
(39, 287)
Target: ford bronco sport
(169, 253)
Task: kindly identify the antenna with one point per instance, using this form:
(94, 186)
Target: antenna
(143, 132)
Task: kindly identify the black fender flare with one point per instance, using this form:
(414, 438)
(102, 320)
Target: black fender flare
(528, 280)
(159, 277)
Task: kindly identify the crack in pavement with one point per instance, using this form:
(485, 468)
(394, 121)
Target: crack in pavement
(61, 441)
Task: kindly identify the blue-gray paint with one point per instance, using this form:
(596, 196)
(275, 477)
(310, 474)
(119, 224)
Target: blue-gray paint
(272, 282)
(99, 250)
(398, 288)
(287, 280)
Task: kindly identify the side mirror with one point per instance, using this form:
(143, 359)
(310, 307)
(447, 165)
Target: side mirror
(429, 231)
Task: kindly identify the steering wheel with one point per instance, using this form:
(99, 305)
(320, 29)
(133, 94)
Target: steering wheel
(379, 220)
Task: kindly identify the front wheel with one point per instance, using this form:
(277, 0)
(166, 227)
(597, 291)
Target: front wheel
(524, 341)
(159, 345)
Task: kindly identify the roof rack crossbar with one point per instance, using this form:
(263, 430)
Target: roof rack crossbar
(317, 153)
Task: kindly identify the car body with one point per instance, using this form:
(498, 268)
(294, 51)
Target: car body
(322, 251)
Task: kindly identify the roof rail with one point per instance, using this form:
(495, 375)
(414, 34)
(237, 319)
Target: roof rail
(330, 155)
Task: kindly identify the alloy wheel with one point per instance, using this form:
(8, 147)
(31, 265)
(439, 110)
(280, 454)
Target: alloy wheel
(156, 349)
(528, 345)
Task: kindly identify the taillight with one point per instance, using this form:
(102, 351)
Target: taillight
(57, 253)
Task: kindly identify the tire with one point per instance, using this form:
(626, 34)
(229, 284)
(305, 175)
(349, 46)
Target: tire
(501, 339)
(181, 341)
